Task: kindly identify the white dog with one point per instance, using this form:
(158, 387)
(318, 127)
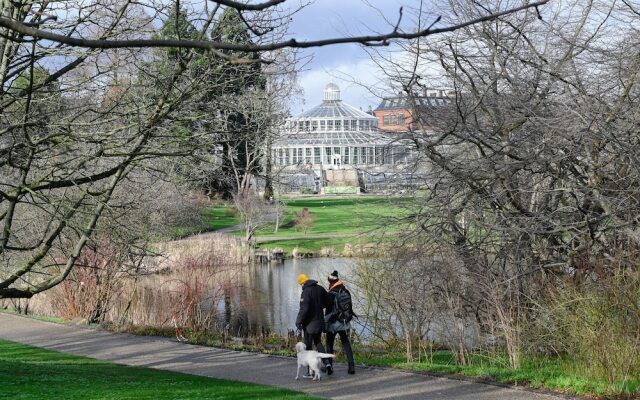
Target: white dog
(311, 359)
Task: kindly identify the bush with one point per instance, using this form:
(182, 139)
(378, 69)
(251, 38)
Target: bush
(597, 323)
(304, 220)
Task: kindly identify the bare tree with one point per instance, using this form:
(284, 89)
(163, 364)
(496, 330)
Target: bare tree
(254, 211)
(76, 119)
(529, 171)
(304, 220)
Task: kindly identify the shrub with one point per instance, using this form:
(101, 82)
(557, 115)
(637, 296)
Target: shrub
(597, 323)
(304, 220)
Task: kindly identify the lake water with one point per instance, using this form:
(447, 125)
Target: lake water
(270, 299)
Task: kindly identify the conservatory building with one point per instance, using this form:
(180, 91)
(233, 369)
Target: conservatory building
(334, 135)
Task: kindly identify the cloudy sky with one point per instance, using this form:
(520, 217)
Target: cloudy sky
(342, 64)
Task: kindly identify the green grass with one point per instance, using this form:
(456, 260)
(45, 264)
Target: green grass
(218, 218)
(32, 373)
(213, 218)
(554, 373)
(337, 215)
(332, 215)
(46, 318)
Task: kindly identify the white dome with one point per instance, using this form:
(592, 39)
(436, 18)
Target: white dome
(332, 92)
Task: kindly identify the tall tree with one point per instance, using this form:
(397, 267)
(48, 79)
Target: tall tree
(241, 144)
(56, 186)
(528, 172)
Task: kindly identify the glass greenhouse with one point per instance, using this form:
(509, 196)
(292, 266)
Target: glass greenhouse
(333, 134)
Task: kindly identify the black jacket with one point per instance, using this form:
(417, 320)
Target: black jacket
(338, 286)
(332, 324)
(313, 300)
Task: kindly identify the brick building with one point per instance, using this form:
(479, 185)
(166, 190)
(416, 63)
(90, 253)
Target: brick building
(404, 113)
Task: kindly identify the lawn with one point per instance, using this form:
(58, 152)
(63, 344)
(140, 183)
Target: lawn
(339, 215)
(32, 373)
(213, 218)
(332, 216)
(555, 373)
(219, 217)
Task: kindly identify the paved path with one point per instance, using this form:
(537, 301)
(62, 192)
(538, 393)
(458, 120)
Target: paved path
(161, 353)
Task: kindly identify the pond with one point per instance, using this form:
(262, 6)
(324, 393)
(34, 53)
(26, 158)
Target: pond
(270, 299)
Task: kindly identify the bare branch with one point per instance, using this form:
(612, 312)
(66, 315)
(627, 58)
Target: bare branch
(209, 45)
(248, 6)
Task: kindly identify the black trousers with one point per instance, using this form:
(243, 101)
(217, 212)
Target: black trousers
(315, 339)
(346, 345)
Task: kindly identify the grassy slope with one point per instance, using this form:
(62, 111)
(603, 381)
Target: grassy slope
(217, 218)
(32, 373)
(332, 216)
(213, 218)
(337, 215)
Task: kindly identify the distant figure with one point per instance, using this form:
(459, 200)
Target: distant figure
(338, 319)
(310, 318)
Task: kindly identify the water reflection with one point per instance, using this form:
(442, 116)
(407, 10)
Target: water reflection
(269, 301)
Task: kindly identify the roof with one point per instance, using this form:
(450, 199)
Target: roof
(333, 139)
(403, 102)
(334, 109)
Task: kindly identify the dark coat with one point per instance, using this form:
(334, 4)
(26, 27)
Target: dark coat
(332, 324)
(313, 300)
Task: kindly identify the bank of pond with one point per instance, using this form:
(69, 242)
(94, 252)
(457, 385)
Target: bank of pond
(253, 308)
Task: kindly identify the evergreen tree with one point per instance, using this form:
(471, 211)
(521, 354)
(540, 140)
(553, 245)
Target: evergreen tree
(177, 26)
(236, 80)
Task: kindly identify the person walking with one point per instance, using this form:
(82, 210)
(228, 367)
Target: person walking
(310, 319)
(338, 320)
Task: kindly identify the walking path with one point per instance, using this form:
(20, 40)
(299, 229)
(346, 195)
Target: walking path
(260, 239)
(167, 354)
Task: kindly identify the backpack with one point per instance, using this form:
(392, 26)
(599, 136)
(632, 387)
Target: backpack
(342, 305)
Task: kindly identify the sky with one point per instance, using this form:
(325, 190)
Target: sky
(349, 65)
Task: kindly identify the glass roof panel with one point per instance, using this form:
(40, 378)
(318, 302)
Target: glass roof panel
(333, 139)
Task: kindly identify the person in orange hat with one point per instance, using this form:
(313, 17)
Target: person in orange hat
(310, 319)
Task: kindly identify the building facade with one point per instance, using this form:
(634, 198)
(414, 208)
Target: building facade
(334, 135)
(404, 113)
